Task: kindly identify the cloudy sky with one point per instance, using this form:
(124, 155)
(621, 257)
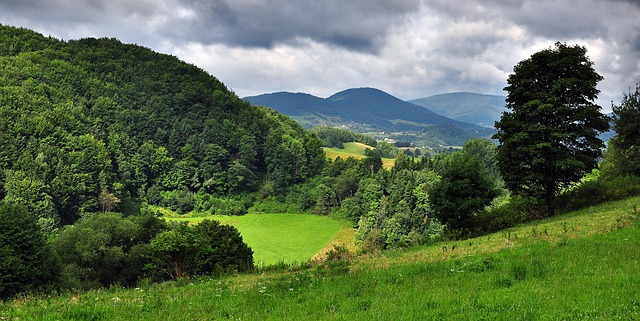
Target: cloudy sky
(409, 48)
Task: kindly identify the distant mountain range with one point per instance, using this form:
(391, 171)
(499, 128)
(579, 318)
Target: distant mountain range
(478, 109)
(445, 119)
(370, 110)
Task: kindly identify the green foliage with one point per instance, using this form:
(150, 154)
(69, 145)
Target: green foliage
(205, 249)
(223, 249)
(627, 139)
(337, 261)
(548, 138)
(508, 213)
(464, 189)
(103, 249)
(26, 263)
(597, 190)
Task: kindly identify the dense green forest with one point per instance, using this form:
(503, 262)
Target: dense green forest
(87, 125)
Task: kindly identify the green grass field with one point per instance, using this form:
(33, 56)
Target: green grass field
(275, 238)
(579, 266)
(355, 150)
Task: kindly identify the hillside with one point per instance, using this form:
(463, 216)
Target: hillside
(369, 110)
(478, 109)
(89, 125)
(575, 266)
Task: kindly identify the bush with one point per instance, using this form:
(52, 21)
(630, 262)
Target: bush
(598, 190)
(337, 261)
(514, 210)
(103, 249)
(209, 248)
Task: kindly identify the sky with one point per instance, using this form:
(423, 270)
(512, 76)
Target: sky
(408, 48)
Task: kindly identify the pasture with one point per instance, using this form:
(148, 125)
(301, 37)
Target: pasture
(355, 150)
(280, 238)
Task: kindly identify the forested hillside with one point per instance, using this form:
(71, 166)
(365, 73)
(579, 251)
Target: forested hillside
(89, 125)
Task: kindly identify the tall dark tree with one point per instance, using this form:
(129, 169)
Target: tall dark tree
(549, 137)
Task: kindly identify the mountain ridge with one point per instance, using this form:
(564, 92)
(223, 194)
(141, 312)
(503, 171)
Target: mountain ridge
(479, 109)
(367, 109)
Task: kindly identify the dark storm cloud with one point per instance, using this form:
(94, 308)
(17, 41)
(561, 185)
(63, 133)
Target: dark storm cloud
(349, 24)
(354, 24)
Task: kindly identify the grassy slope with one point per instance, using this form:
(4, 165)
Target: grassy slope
(281, 237)
(576, 266)
(355, 150)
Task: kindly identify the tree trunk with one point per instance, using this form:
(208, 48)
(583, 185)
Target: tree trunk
(550, 199)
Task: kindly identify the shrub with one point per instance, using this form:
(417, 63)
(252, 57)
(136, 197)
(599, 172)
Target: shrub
(599, 190)
(102, 249)
(336, 261)
(514, 210)
(209, 248)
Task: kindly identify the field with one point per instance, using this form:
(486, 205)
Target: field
(355, 150)
(286, 238)
(582, 265)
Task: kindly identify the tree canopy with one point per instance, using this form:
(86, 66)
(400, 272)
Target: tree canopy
(549, 135)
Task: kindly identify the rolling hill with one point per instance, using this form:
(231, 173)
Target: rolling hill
(369, 110)
(478, 109)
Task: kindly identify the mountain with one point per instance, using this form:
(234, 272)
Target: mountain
(369, 110)
(478, 109)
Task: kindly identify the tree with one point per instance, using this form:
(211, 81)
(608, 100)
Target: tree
(26, 262)
(223, 249)
(549, 137)
(102, 249)
(372, 163)
(205, 249)
(464, 189)
(175, 251)
(625, 123)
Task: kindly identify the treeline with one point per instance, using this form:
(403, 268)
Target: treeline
(336, 137)
(414, 201)
(94, 125)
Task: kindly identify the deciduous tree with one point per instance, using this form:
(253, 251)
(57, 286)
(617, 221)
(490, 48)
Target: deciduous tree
(465, 188)
(627, 140)
(549, 135)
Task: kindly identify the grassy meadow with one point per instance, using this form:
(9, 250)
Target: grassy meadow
(275, 238)
(577, 266)
(355, 150)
